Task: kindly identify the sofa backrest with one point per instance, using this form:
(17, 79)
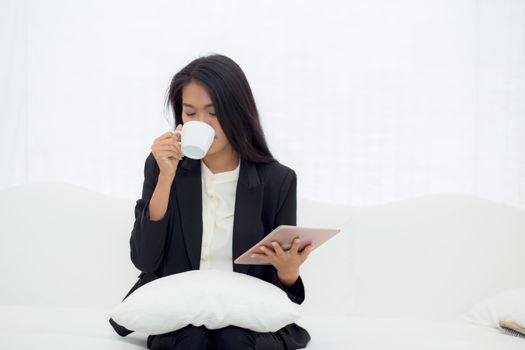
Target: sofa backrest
(64, 245)
(429, 257)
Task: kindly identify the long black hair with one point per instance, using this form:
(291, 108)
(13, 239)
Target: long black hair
(233, 100)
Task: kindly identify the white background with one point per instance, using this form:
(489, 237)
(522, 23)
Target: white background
(369, 101)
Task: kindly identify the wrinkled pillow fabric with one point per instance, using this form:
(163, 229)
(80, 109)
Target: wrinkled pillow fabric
(212, 298)
(508, 306)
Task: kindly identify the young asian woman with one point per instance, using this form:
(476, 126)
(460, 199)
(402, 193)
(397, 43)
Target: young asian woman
(198, 214)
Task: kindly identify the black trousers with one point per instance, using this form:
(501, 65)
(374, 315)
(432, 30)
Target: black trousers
(228, 338)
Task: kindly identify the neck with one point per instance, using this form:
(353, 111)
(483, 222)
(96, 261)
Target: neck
(221, 162)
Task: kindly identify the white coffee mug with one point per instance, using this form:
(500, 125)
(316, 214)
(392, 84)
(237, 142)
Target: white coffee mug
(196, 139)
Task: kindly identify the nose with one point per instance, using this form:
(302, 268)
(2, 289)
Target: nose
(203, 117)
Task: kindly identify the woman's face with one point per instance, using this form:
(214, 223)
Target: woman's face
(197, 105)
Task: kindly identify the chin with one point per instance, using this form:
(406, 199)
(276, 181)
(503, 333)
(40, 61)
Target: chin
(215, 149)
(210, 153)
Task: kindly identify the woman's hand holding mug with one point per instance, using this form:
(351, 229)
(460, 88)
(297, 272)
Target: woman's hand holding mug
(167, 152)
(192, 141)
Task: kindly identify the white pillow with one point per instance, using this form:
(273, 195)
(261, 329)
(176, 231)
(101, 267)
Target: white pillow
(506, 306)
(212, 298)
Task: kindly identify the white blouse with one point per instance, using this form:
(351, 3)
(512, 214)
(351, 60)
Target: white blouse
(218, 206)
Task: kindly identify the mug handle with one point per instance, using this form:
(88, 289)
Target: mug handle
(177, 132)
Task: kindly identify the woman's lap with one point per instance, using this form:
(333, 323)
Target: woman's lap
(231, 337)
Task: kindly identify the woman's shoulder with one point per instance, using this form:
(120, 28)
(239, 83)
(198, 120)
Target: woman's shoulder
(275, 171)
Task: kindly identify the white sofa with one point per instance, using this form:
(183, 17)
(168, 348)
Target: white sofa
(396, 277)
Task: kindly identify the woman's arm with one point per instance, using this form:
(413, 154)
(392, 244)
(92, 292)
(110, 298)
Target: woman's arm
(158, 204)
(291, 281)
(151, 219)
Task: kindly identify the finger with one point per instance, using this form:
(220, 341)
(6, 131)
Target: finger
(278, 249)
(267, 251)
(169, 148)
(173, 139)
(175, 147)
(295, 245)
(306, 251)
(262, 258)
(165, 146)
(259, 256)
(163, 136)
(176, 135)
(169, 154)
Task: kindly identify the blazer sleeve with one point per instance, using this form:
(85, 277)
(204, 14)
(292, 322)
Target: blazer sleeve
(148, 237)
(287, 215)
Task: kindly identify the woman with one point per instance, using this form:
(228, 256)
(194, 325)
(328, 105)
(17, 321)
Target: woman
(197, 214)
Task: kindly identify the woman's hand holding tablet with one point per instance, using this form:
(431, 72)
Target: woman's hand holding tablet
(284, 236)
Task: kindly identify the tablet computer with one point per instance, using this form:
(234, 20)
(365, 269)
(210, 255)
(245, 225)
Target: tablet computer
(284, 235)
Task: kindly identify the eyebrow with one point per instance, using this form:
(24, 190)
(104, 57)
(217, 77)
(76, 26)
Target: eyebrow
(189, 105)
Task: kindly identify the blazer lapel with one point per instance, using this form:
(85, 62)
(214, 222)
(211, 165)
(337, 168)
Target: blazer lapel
(189, 195)
(248, 208)
(247, 214)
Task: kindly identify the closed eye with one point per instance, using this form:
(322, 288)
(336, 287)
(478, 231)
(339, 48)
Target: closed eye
(192, 114)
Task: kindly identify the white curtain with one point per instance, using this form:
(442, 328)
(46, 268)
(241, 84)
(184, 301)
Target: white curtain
(369, 101)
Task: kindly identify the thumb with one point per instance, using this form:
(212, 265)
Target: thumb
(177, 135)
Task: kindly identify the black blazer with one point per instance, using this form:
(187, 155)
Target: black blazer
(266, 197)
